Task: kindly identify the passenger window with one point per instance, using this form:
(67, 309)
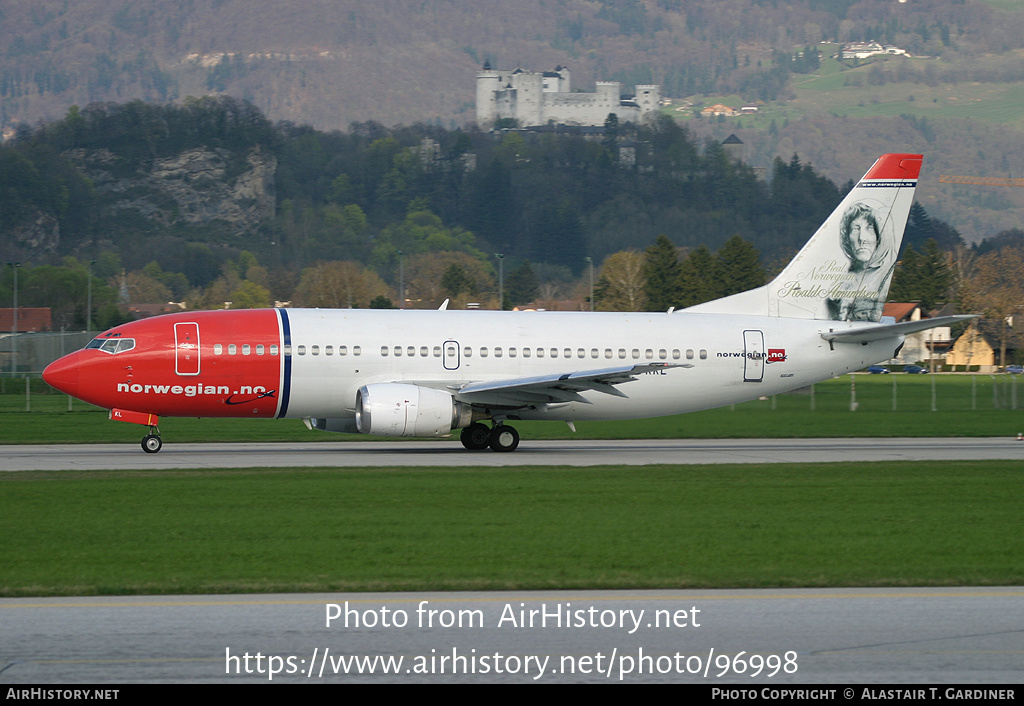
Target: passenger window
(437, 351)
(636, 354)
(260, 349)
(662, 354)
(357, 350)
(689, 354)
(497, 352)
(567, 353)
(703, 354)
(218, 349)
(649, 354)
(301, 349)
(608, 353)
(467, 352)
(622, 354)
(315, 350)
(328, 350)
(526, 352)
(247, 349)
(342, 350)
(410, 351)
(540, 352)
(424, 352)
(511, 352)
(287, 349)
(232, 349)
(384, 351)
(398, 351)
(580, 353)
(675, 354)
(593, 352)
(273, 349)
(483, 352)
(554, 352)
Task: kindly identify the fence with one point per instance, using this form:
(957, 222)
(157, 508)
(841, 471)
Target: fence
(28, 353)
(948, 392)
(961, 392)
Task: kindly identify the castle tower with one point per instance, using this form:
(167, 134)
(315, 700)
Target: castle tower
(488, 83)
(648, 98)
(734, 148)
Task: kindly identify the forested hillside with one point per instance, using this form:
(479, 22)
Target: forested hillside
(366, 193)
(210, 204)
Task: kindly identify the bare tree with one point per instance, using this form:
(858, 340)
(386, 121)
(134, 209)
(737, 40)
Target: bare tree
(622, 284)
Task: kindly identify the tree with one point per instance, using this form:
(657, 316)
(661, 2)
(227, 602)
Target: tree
(249, 295)
(699, 280)
(621, 284)
(338, 285)
(455, 281)
(425, 277)
(923, 277)
(381, 302)
(661, 275)
(996, 289)
(739, 267)
(521, 285)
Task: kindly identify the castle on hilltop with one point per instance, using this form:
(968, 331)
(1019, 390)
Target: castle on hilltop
(531, 99)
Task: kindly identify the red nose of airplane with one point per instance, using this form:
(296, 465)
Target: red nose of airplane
(62, 374)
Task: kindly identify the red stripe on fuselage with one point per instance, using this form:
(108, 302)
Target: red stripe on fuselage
(239, 367)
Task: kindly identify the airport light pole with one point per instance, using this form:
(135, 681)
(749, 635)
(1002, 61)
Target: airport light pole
(14, 322)
(590, 265)
(501, 280)
(88, 306)
(401, 279)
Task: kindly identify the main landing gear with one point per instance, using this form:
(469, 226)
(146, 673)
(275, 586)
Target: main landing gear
(151, 443)
(477, 437)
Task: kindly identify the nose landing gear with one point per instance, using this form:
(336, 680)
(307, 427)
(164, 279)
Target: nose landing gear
(152, 443)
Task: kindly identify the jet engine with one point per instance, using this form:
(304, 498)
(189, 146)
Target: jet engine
(394, 409)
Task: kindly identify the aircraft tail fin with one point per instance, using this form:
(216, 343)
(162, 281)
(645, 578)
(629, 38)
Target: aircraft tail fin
(844, 270)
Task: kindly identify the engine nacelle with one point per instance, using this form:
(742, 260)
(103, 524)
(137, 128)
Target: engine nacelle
(394, 409)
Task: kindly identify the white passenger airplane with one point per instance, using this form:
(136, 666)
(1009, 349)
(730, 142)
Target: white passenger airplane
(425, 373)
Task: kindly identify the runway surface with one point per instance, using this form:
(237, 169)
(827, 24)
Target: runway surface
(88, 457)
(756, 638)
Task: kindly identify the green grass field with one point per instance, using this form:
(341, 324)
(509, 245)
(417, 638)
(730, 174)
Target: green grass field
(833, 89)
(850, 524)
(514, 528)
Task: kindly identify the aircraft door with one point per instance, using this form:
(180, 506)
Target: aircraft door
(753, 356)
(450, 353)
(186, 348)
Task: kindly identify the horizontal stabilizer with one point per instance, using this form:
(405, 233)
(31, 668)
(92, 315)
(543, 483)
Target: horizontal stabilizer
(879, 332)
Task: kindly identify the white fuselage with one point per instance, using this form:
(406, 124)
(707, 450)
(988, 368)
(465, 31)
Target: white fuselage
(733, 358)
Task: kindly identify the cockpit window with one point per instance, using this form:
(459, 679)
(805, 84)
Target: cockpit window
(112, 345)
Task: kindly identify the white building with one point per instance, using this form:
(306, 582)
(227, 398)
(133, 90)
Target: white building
(531, 99)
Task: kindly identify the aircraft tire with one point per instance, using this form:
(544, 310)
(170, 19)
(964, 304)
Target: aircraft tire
(476, 437)
(504, 438)
(151, 444)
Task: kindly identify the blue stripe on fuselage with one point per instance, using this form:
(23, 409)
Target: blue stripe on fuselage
(286, 353)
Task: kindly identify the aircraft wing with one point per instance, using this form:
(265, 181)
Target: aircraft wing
(880, 331)
(562, 387)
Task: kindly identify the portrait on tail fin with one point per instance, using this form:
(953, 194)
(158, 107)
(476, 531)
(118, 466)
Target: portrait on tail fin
(869, 249)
